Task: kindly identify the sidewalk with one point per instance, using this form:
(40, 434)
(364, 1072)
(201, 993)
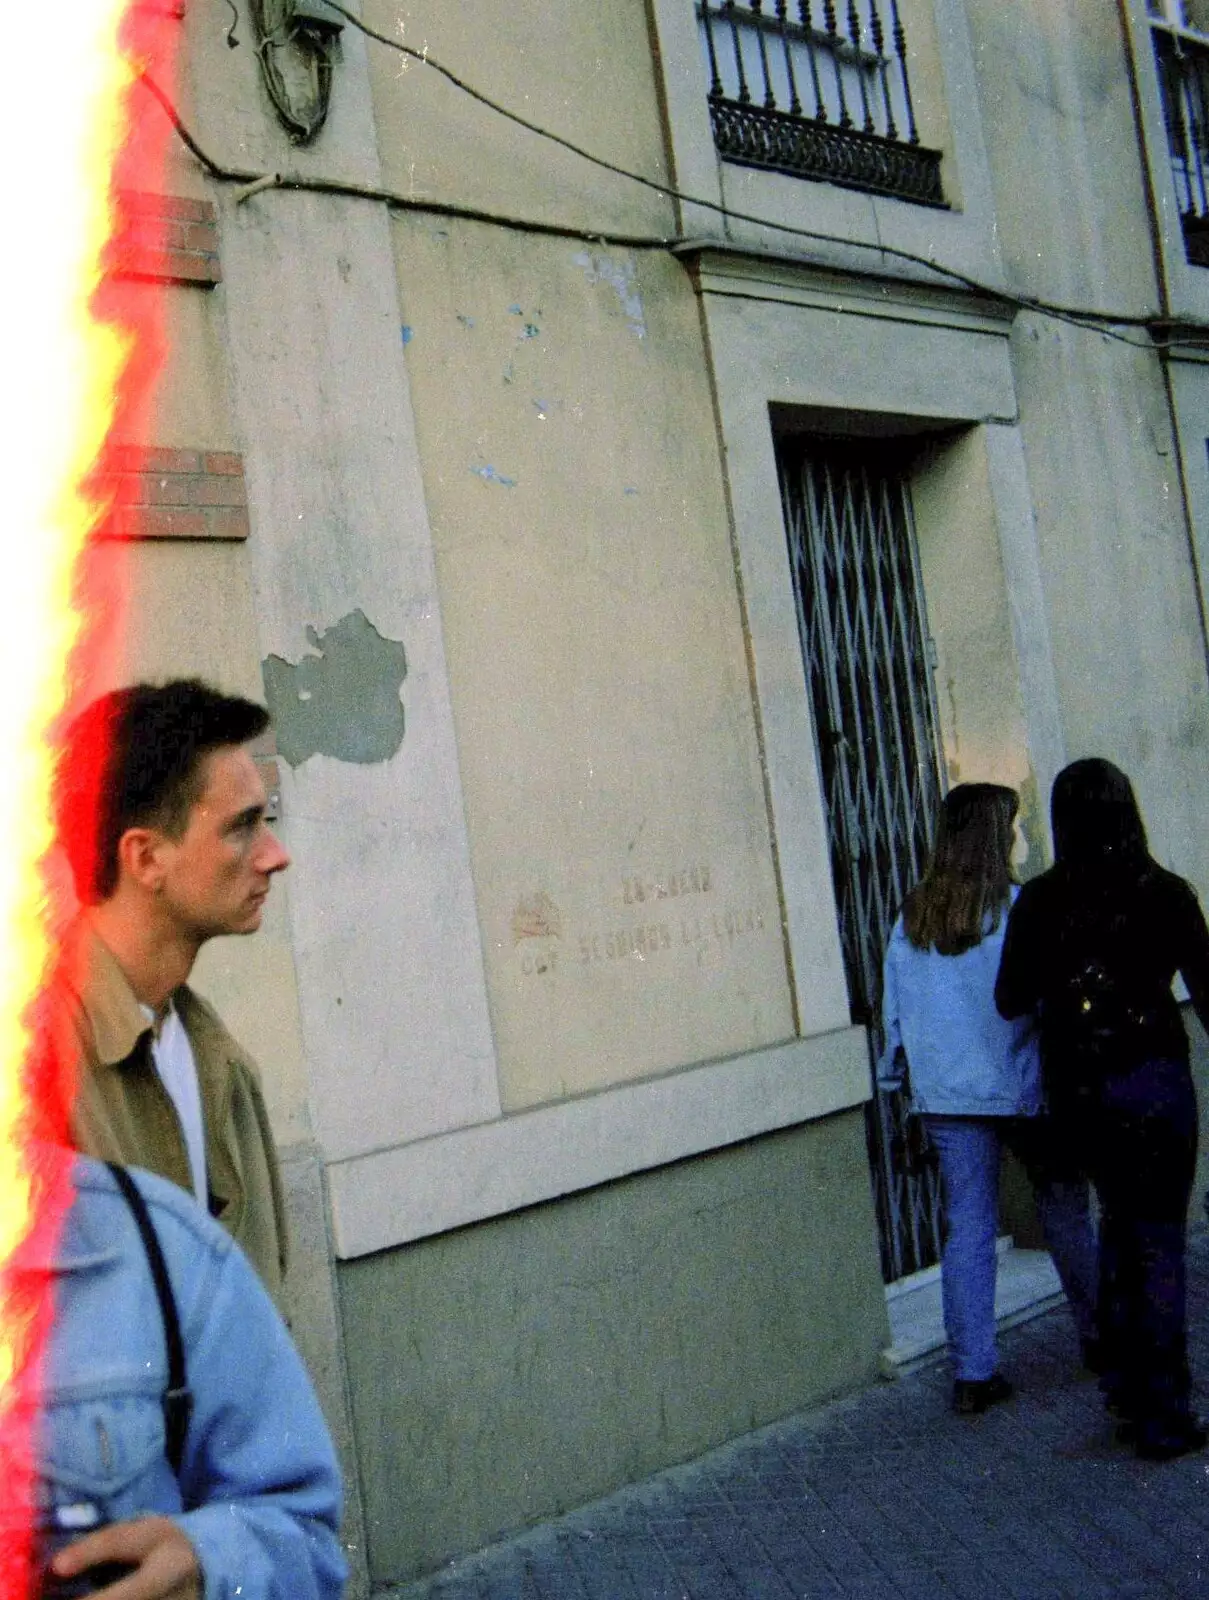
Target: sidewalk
(887, 1496)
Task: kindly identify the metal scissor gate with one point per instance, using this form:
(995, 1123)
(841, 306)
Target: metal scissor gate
(867, 655)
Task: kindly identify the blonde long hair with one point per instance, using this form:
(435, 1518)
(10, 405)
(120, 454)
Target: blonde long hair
(968, 881)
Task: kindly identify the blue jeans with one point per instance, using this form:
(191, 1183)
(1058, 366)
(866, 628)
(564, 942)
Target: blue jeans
(969, 1149)
(1140, 1129)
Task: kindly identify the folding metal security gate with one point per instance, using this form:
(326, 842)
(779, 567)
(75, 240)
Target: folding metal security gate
(867, 655)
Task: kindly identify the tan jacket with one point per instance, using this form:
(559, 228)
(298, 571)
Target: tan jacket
(122, 1112)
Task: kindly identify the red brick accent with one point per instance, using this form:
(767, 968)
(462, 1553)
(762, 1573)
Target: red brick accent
(217, 489)
(145, 522)
(161, 493)
(167, 239)
(223, 524)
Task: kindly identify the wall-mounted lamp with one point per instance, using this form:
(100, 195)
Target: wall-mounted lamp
(318, 18)
(297, 43)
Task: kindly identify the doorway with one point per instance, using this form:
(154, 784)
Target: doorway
(869, 658)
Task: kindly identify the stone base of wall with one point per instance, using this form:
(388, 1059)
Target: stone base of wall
(310, 1295)
(508, 1371)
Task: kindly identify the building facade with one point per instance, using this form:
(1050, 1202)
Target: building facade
(633, 531)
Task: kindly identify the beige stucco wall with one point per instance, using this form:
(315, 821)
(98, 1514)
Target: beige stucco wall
(1052, 78)
(983, 729)
(608, 750)
(1120, 588)
(585, 73)
(1113, 537)
(977, 685)
(185, 608)
(623, 869)
(188, 405)
(327, 335)
(180, 608)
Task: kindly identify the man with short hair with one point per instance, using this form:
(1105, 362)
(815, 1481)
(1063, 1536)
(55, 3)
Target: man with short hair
(162, 817)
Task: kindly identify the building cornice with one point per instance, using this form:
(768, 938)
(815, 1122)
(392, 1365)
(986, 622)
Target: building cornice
(721, 268)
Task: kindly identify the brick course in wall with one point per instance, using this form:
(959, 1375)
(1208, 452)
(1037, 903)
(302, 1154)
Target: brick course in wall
(166, 239)
(162, 493)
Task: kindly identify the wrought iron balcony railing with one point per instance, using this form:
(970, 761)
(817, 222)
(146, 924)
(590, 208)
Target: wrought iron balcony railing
(1183, 66)
(822, 93)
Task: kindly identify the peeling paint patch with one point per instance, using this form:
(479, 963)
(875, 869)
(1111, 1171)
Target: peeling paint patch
(619, 275)
(490, 475)
(341, 701)
(408, 333)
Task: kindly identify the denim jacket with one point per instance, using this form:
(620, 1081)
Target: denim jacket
(944, 1036)
(259, 1492)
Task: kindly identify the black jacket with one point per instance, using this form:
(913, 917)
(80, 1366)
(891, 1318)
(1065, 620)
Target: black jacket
(1136, 928)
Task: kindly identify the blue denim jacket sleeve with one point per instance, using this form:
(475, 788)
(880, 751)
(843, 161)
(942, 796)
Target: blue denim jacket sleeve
(892, 1063)
(258, 1465)
(258, 1493)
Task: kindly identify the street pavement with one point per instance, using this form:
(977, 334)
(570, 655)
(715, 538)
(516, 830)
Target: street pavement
(888, 1496)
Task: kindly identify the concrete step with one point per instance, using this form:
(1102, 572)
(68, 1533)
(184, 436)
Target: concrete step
(1026, 1285)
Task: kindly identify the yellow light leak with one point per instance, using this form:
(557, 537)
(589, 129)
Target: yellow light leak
(61, 127)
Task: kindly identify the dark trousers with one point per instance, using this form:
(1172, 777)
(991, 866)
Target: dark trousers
(1138, 1131)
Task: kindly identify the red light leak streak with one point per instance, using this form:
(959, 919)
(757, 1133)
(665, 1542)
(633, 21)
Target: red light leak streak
(80, 135)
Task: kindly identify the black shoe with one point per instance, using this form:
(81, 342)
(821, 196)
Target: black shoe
(1170, 1441)
(1092, 1357)
(972, 1396)
(1121, 1408)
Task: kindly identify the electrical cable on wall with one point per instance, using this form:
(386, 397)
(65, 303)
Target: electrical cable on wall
(252, 183)
(1088, 319)
(1077, 315)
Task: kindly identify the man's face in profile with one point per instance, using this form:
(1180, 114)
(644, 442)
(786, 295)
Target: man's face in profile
(216, 875)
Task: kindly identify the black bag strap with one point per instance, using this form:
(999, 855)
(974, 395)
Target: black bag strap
(178, 1402)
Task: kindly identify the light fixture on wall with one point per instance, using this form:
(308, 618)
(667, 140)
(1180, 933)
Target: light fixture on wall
(297, 43)
(317, 17)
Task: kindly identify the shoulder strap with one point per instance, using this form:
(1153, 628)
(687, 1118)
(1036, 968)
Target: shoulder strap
(178, 1402)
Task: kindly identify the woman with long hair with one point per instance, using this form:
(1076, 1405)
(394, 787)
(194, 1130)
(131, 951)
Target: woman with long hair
(975, 1079)
(1092, 948)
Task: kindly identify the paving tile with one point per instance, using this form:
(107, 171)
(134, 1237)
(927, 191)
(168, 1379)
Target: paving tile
(888, 1496)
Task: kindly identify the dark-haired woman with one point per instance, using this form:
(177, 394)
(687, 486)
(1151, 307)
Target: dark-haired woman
(1092, 948)
(975, 1079)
